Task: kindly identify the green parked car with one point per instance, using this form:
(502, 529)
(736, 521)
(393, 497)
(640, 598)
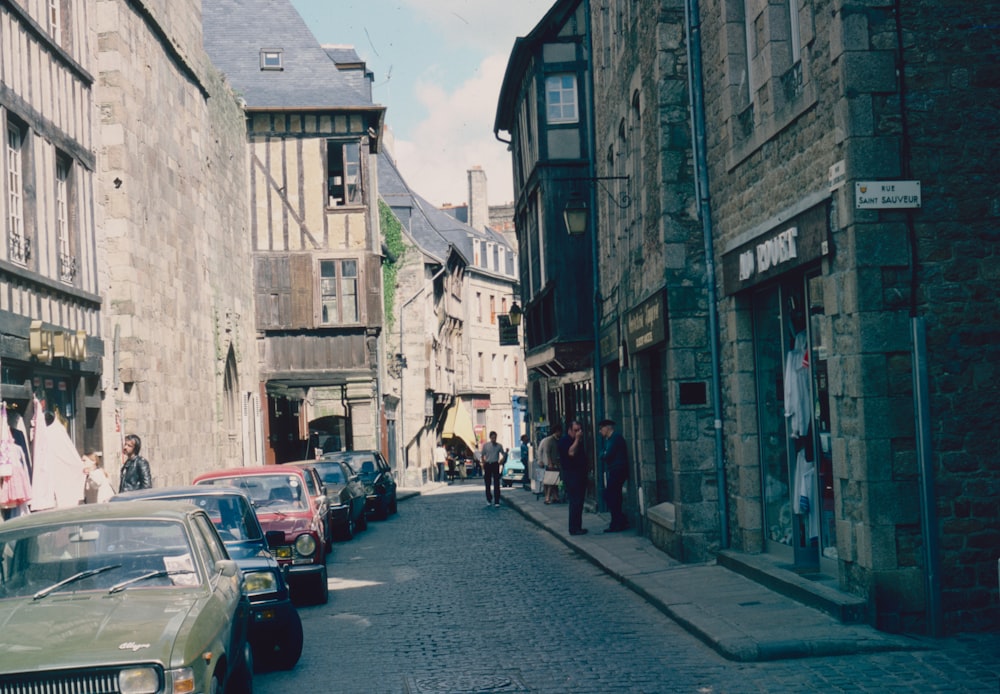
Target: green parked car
(137, 598)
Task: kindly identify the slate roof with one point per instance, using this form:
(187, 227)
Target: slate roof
(235, 31)
(433, 230)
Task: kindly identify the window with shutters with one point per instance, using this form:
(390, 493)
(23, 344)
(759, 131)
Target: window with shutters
(18, 245)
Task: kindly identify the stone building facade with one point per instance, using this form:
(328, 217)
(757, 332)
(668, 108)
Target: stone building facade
(179, 367)
(655, 353)
(848, 152)
(797, 288)
(453, 379)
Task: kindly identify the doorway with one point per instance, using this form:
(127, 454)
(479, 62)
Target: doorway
(794, 419)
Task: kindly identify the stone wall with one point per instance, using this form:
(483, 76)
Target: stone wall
(174, 243)
(651, 244)
(767, 162)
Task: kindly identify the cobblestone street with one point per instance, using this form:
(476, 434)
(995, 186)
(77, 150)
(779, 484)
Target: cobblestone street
(451, 596)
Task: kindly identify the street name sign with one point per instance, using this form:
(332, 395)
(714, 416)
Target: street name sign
(886, 195)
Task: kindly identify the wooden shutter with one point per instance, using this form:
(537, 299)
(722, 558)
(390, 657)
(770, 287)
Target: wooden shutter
(303, 285)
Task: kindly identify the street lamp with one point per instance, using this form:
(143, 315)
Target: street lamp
(575, 215)
(515, 314)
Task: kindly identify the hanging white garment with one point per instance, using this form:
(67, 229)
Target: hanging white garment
(798, 396)
(58, 478)
(804, 501)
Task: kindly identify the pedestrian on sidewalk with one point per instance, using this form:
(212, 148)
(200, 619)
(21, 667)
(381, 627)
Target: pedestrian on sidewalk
(548, 458)
(492, 456)
(135, 472)
(525, 461)
(440, 460)
(614, 456)
(573, 470)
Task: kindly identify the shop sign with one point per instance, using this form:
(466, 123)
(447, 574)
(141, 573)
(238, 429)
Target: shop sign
(609, 343)
(508, 332)
(802, 240)
(480, 403)
(47, 345)
(646, 324)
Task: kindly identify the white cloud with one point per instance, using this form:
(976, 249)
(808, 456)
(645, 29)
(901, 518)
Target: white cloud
(489, 25)
(456, 135)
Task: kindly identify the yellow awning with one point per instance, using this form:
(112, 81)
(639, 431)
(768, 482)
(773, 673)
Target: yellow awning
(458, 425)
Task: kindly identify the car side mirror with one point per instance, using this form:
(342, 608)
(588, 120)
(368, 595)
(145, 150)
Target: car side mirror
(275, 538)
(227, 567)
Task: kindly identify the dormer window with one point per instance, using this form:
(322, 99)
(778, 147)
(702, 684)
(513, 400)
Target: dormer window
(271, 59)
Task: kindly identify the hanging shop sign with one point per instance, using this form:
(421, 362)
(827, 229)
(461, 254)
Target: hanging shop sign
(508, 331)
(801, 240)
(609, 342)
(646, 324)
(47, 345)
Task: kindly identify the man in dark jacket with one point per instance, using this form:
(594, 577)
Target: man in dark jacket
(135, 470)
(573, 470)
(614, 456)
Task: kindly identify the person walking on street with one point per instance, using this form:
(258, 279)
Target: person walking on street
(525, 455)
(440, 460)
(135, 470)
(492, 456)
(548, 459)
(573, 469)
(614, 456)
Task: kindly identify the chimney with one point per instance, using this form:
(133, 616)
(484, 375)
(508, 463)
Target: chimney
(479, 208)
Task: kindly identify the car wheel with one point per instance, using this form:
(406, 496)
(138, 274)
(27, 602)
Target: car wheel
(322, 593)
(362, 523)
(241, 680)
(392, 504)
(289, 644)
(347, 530)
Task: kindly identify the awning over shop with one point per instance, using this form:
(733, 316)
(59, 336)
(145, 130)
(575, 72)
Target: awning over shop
(458, 425)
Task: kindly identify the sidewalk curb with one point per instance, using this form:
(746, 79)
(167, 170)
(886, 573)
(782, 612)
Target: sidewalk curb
(817, 634)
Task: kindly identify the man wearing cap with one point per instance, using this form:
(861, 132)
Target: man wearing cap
(614, 456)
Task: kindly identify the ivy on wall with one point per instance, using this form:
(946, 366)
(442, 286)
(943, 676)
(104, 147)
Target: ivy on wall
(392, 240)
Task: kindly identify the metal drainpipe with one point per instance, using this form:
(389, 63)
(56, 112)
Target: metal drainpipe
(598, 412)
(921, 386)
(705, 212)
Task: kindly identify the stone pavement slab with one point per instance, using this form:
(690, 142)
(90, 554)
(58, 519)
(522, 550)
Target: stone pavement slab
(740, 618)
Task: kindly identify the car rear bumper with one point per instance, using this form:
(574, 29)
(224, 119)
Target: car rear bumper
(268, 620)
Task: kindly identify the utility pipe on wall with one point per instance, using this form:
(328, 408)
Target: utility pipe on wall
(693, 27)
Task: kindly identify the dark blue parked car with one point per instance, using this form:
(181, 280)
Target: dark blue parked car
(275, 626)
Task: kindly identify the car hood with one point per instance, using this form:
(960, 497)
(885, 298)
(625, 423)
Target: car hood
(288, 523)
(95, 628)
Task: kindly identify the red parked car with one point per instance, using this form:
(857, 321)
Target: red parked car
(284, 505)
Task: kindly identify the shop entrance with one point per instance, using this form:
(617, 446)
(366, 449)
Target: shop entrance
(794, 419)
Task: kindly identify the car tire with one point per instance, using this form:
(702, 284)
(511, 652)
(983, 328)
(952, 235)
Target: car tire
(241, 680)
(362, 523)
(289, 645)
(321, 593)
(392, 504)
(346, 531)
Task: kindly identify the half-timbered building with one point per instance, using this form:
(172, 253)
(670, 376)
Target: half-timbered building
(312, 133)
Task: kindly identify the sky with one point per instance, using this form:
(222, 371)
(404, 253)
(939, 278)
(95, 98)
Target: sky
(438, 66)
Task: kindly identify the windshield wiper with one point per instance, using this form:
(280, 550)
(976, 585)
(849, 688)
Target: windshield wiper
(118, 587)
(72, 579)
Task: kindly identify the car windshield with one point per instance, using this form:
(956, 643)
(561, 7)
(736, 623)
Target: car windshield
(232, 516)
(331, 473)
(269, 493)
(102, 555)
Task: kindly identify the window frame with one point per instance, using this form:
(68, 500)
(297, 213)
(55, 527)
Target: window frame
(562, 91)
(18, 244)
(338, 277)
(344, 192)
(272, 59)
